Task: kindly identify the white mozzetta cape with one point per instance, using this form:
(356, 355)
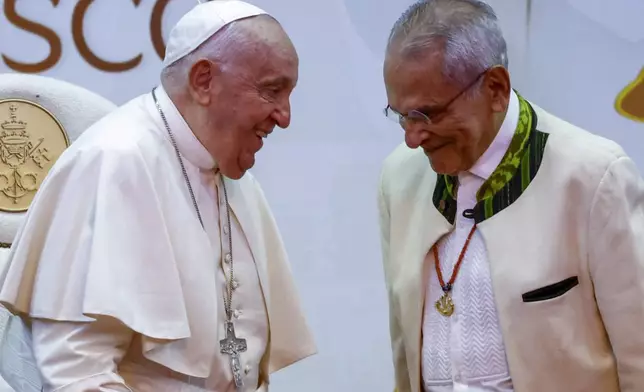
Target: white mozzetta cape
(113, 232)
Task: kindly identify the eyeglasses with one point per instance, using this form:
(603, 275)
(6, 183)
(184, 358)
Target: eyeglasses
(425, 115)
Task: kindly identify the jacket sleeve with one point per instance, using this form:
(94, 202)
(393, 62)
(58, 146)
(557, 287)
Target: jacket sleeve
(81, 356)
(616, 261)
(402, 383)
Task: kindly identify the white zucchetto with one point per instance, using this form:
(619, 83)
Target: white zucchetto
(202, 22)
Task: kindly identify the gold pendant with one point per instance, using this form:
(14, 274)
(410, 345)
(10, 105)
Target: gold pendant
(444, 305)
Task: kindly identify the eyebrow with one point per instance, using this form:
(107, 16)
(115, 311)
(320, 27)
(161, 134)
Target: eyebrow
(428, 109)
(276, 81)
(423, 109)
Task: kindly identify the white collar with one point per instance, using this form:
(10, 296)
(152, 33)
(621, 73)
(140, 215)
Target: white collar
(189, 146)
(492, 157)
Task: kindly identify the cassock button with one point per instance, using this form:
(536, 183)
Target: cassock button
(235, 284)
(247, 369)
(227, 258)
(237, 313)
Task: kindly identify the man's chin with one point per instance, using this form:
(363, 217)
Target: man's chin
(234, 173)
(243, 165)
(441, 167)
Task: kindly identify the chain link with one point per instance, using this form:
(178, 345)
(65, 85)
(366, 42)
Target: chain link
(228, 299)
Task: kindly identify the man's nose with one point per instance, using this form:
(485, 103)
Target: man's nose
(282, 114)
(415, 134)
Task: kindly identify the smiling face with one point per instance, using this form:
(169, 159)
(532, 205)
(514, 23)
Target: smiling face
(463, 121)
(243, 99)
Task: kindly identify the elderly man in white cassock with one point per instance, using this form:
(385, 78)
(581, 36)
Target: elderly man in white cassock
(149, 260)
(513, 241)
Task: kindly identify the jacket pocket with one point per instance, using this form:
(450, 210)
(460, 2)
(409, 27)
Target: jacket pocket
(551, 291)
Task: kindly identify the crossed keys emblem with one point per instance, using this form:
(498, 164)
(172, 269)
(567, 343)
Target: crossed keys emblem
(26, 155)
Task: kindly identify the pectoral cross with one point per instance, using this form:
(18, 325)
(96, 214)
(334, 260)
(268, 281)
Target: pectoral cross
(232, 346)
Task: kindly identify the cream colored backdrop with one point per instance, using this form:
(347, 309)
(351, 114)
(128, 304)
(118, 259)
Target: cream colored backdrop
(572, 57)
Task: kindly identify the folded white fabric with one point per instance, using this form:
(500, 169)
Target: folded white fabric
(20, 372)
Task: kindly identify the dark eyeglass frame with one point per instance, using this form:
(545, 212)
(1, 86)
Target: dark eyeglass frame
(423, 116)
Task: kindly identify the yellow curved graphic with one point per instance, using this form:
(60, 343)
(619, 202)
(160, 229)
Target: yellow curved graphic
(630, 101)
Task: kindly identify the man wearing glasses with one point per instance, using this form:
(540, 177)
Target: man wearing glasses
(514, 258)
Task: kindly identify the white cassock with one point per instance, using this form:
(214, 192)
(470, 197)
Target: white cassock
(123, 285)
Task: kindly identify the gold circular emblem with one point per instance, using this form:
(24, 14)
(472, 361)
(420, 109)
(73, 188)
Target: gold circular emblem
(31, 140)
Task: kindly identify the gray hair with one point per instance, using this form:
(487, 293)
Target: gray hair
(467, 31)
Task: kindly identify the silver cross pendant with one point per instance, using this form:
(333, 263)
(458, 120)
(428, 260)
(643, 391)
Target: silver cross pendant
(232, 346)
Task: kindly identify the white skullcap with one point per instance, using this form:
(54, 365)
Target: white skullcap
(200, 23)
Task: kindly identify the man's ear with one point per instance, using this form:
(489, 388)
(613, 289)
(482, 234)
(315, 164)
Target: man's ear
(497, 84)
(200, 80)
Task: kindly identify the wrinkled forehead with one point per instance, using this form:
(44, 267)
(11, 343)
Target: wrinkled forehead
(415, 81)
(273, 60)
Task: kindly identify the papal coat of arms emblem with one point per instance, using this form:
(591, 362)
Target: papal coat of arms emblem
(31, 140)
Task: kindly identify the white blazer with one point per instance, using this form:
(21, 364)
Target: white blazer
(566, 256)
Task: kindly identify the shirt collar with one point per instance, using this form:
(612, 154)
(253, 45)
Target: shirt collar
(492, 157)
(189, 146)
